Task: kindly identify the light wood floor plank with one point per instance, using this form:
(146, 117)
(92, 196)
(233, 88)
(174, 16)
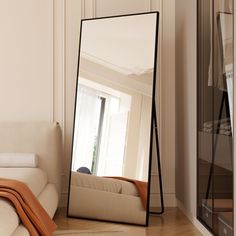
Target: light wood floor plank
(173, 222)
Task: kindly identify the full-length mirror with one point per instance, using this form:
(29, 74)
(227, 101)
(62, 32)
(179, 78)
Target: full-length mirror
(110, 166)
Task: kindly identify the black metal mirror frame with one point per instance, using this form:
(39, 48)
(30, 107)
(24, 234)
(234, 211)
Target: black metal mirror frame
(153, 115)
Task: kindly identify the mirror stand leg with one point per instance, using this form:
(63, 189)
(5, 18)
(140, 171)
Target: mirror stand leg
(154, 123)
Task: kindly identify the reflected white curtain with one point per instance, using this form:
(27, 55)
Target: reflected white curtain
(86, 127)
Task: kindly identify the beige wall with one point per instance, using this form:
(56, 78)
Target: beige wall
(39, 63)
(186, 104)
(26, 57)
(167, 98)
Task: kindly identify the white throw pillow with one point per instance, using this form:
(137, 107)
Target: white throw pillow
(18, 160)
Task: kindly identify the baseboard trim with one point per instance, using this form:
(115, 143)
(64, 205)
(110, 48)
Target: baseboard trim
(193, 219)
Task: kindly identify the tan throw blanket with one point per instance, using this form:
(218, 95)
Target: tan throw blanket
(140, 185)
(31, 213)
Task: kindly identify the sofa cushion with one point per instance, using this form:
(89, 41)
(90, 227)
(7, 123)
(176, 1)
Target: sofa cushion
(21, 231)
(128, 188)
(95, 182)
(8, 218)
(103, 184)
(34, 178)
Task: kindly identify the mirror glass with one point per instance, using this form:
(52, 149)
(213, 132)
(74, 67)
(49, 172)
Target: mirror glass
(111, 151)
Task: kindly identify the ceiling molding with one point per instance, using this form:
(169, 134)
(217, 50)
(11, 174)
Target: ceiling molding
(124, 71)
(90, 69)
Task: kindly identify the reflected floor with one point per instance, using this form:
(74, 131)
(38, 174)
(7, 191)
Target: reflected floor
(173, 222)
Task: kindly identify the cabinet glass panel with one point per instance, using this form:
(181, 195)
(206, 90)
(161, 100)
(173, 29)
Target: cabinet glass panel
(215, 115)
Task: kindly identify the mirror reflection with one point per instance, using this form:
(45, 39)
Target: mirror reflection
(112, 126)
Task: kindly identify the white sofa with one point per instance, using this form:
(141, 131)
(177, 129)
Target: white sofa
(43, 139)
(107, 199)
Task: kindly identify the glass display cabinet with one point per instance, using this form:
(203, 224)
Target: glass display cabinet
(215, 116)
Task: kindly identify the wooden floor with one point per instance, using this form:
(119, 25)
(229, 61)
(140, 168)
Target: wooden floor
(173, 222)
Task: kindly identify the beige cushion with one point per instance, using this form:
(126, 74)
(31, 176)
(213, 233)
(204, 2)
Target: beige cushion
(34, 178)
(95, 182)
(49, 199)
(9, 219)
(103, 184)
(129, 188)
(21, 231)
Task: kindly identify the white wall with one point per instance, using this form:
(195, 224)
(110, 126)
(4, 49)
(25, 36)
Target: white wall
(38, 60)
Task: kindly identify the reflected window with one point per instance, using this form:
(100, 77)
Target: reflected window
(101, 132)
